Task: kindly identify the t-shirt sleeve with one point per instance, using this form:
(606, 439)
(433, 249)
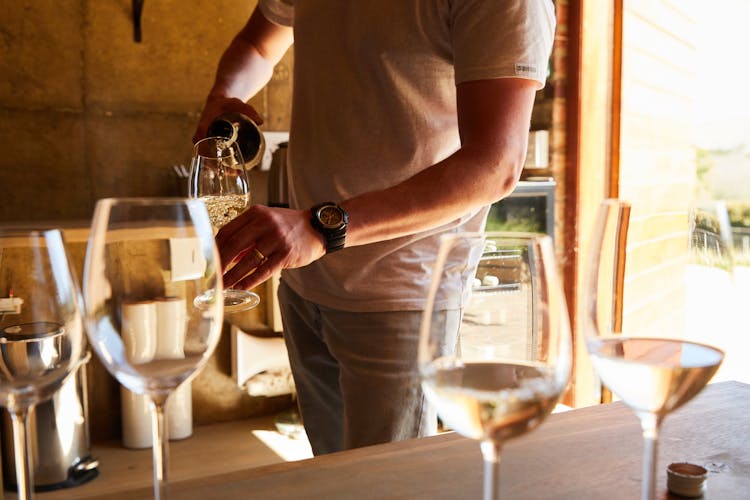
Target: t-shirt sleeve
(278, 11)
(502, 39)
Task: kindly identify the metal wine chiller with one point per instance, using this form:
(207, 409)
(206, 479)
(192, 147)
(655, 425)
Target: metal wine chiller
(58, 434)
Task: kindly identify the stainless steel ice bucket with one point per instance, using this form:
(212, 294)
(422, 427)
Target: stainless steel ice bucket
(58, 436)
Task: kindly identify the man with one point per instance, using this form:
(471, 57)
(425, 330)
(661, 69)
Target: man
(409, 118)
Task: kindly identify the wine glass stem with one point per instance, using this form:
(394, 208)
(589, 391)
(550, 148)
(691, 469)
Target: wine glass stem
(160, 446)
(650, 427)
(24, 470)
(491, 456)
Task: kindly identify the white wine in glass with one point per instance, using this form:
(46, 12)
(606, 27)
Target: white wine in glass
(218, 178)
(41, 332)
(652, 374)
(498, 371)
(145, 255)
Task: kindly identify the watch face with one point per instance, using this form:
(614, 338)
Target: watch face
(331, 217)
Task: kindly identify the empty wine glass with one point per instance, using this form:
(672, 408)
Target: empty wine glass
(711, 296)
(651, 369)
(495, 344)
(41, 331)
(146, 257)
(219, 179)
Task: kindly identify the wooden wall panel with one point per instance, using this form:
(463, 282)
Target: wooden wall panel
(633, 123)
(589, 167)
(657, 168)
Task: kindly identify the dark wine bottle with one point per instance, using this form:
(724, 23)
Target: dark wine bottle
(244, 131)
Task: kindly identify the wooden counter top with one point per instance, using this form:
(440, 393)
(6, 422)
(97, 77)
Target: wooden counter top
(589, 453)
(211, 450)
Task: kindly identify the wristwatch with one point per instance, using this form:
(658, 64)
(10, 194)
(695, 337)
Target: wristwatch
(330, 220)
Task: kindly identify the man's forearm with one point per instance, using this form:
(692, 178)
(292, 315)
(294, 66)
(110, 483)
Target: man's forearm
(244, 69)
(242, 72)
(459, 185)
(247, 64)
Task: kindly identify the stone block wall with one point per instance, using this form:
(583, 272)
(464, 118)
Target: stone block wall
(87, 113)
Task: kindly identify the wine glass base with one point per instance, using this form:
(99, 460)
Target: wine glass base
(239, 300)
(234, 300)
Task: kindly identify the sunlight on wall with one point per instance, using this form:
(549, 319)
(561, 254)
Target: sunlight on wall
(722, 105)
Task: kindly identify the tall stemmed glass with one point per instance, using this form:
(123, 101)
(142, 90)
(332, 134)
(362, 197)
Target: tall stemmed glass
(160, 252)
(651, 372)
(218, 177)
(41, 331)
(499, 371)
(712, 298)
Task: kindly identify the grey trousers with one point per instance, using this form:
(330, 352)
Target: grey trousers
(356, 374)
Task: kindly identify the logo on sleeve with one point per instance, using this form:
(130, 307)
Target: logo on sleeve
(523, 69)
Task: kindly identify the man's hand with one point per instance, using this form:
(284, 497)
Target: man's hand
(218, 105)
(263, 240)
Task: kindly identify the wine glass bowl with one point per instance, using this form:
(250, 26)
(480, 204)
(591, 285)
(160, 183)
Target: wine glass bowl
(652, 370)
(218, 178)
(33, 354)
(496, 369)
(146, 261)
(654, 376)
(41, 331)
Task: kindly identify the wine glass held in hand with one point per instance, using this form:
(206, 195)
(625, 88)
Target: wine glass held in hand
(650, 372)
(218, 178)
(41, 332)
(498, 371)
(141, 252)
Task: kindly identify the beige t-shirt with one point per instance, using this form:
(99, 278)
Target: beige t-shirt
(374, 103)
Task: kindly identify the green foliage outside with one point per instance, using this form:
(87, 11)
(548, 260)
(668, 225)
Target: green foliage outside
(739, 217)
(722, 174)
(739, 213)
